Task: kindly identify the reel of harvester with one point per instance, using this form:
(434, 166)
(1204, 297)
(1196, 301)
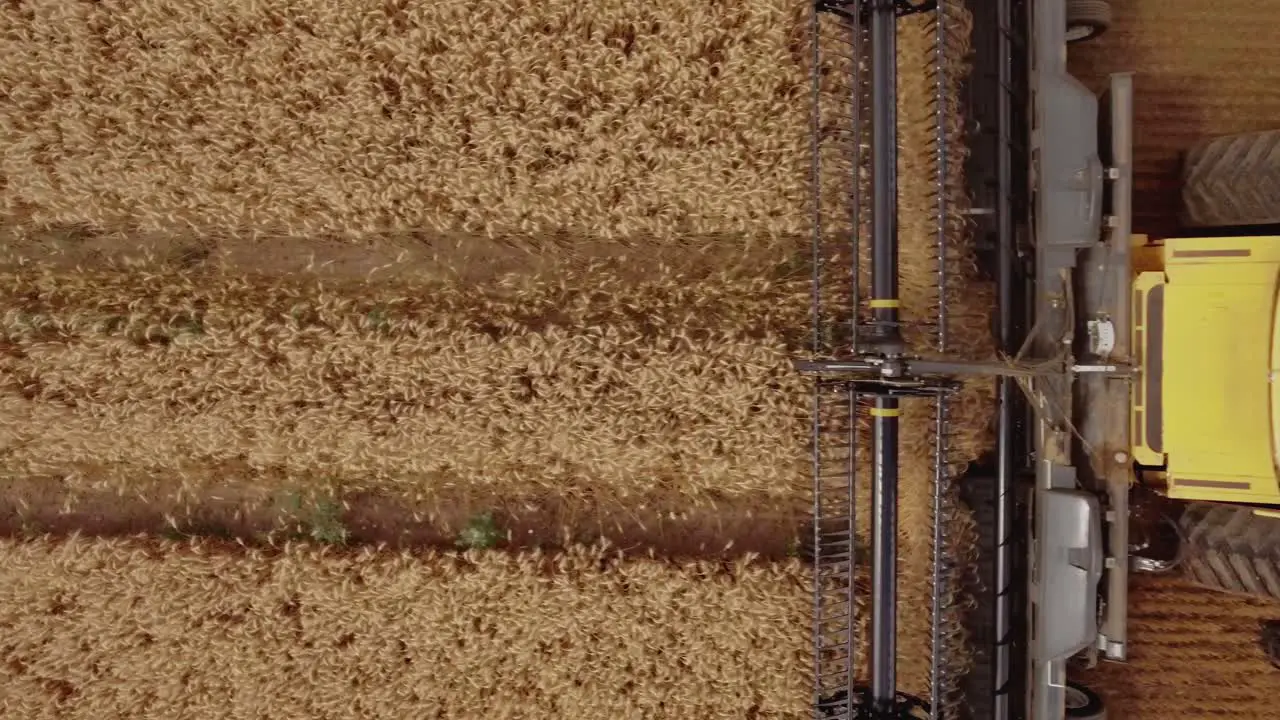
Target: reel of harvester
(862, 365)
(856, 362)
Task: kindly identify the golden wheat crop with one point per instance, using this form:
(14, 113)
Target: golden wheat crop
(123, 628)
(129, 626)
(681, 384)
(641, 353)
(577, 383)
(556, 383)
(129, 378)
(655, 122)
(610, 119)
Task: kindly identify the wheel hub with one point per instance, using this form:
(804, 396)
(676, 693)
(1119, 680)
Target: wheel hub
(1076, 699)
(1075, 33)
(860, 706)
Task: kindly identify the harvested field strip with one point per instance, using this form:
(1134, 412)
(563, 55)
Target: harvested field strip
(248, 510)
(123, 629)
(1201, 69)
(1193, 653)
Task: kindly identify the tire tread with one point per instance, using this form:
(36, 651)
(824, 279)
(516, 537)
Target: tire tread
(1232, 548)
(1232, 180)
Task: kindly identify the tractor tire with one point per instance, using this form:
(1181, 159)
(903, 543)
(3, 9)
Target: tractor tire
(1232, 548)
(1087, 19)
(1269, 639)
(1232, 181)
(1083, 703)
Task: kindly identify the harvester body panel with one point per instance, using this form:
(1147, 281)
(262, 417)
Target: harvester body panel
(1204, 404)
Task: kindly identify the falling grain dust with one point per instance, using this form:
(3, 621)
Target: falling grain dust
(587, 222)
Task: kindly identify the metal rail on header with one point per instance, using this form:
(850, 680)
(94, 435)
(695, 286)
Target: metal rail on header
(862, 365)
(884, 311)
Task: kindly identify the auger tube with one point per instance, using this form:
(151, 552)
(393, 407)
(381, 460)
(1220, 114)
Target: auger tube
(884, 305)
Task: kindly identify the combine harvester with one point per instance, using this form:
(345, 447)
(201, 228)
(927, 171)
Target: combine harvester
(1135, 384)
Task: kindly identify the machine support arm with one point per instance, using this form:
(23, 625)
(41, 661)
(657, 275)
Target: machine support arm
(905, 368)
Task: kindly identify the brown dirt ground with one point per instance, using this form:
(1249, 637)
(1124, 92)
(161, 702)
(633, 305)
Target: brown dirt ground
(1201, 69)
(1194, 654)
(254, 515)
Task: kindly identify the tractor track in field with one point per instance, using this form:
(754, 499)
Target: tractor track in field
(241, 508)
(767, 528)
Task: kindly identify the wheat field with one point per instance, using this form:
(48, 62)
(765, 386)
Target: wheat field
(156, 350)
(611, 120)
(110, 389)
(661, 387)
(128, 628)
(405, 261)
